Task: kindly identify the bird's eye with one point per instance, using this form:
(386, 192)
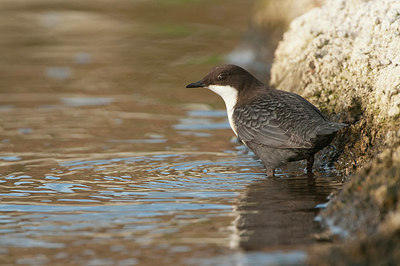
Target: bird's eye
(221, 76)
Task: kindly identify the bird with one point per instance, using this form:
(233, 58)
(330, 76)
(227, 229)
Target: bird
(278, 126)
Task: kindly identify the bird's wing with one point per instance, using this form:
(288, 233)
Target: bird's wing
(266, 123)
(306, 104)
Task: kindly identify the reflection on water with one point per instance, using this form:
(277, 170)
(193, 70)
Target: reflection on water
(169, 202)
(107, 159)
(281, 211)
(256, 258)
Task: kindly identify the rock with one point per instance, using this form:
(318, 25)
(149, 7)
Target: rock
(339, 56)
(344, 57)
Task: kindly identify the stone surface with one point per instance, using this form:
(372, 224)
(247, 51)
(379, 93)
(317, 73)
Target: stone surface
(344, 54)
(343, 57)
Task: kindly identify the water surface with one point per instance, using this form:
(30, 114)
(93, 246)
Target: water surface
(107, 159)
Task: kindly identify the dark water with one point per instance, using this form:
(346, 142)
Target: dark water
(105, 157)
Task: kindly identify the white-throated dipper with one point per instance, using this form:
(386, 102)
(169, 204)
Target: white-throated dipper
(278, 126)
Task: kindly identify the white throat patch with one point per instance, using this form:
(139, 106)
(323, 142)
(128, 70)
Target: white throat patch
(229, 95)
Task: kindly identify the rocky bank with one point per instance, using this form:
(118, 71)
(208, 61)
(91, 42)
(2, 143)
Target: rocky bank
(344, 57)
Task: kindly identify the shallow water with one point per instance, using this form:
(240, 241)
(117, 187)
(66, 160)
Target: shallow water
(105, 157)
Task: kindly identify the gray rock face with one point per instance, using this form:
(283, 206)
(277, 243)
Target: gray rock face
(343, 54)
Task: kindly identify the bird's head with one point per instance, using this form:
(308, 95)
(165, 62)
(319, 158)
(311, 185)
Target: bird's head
(229, 81)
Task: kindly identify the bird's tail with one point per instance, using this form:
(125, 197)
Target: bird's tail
(330, 128)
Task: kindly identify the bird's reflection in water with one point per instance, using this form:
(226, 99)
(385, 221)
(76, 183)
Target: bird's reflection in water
(280, 211)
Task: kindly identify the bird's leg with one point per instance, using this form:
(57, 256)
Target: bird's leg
(310, 163)
(270, 172)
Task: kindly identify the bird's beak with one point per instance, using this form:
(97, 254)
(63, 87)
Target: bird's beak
(197, 84)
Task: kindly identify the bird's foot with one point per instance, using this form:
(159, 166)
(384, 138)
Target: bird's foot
(271, 172)
(310, 163)
(310, 174)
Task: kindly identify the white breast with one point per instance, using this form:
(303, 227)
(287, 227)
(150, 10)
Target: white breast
(229, 95)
